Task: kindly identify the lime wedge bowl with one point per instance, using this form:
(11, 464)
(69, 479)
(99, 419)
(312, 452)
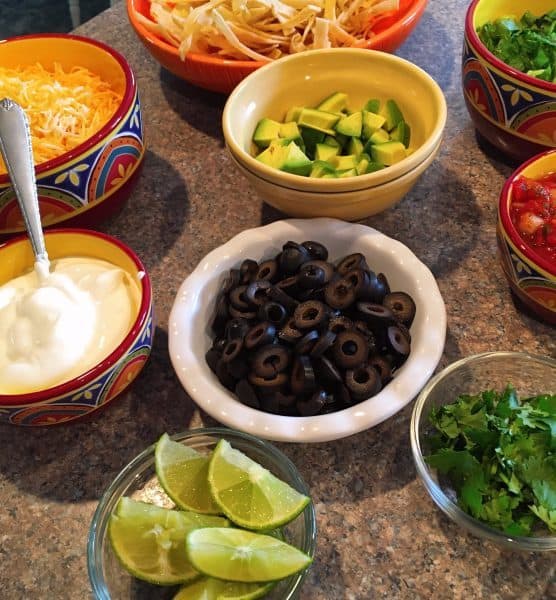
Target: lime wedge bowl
(138, 481)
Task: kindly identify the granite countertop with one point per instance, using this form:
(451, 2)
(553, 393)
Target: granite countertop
(379, 534)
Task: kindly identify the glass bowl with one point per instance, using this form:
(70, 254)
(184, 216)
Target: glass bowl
(138, 480)
(530, 375)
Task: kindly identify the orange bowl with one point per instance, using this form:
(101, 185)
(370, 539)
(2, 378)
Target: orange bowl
(222, 75)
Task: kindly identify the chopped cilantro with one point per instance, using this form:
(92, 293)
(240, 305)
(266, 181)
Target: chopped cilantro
(499, 454)
(527, 44)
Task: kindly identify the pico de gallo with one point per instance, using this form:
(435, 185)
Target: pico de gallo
(533, 213)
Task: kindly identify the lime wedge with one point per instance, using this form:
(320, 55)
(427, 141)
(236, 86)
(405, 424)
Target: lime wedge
(182, 472)
(149, 541)
(240, 555)
(208, 588)
(250, 495)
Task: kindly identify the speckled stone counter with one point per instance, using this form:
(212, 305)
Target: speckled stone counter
(379, 534)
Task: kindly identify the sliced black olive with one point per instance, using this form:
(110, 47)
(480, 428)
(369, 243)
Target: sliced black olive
(232, 349)
(350, 349)
(277, 381)
(328, 268)
(359, 279)
(402, 305)
(376, 315)
(339, 294)
(314, 294)
(383, 366)
(352, 261)
(221, 315)
(236, 313)
(238, 299)
(326, 371)
(290, 333)
(384, 281)
(278, 402)
(246, 394)
(237, 329)
(340, 323)
(303, 376)
(292, 258)
(311, 276)
(247, 270)
(268, 269)
(397, 341)
(306, 343)
(310, 314)
(273, 313)
(342, 396)
(224, 376)
(370, 336)
(363, 382)
(238, 366)
(232, 280)
(405, 331)
(257, 292)
(220, 344)
(290, 285)
(316, 250)
(279, 295)
(323, 343)
(270, 360)
(375, 290)
(313, 405)
(212, 357)
(259, 335)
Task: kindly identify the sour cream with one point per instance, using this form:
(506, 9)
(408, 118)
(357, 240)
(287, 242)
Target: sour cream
(57, 325)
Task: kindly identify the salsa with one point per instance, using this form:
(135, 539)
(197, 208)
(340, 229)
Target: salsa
(533, 213)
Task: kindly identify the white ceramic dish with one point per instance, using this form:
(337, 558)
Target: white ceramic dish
(189, 335)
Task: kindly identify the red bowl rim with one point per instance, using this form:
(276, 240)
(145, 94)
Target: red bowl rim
(110, 125)
(507, 224)
(116, 354)
(415, 10)
(496, 62)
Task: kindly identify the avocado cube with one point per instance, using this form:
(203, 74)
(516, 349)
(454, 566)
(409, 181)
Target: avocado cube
(266, 131)
(330, 175)
(362, 165)
(293, 113)
(379, 137)
(321, 168)
(401, 133)
(374, 166)
(348, 173)
(311, 137)
(330, 140)
(388, 153)
(343, 163)
(372, 105)
(355, 146)
(351, 125)
(336, 102)
(274, 155)
(296, 161)
(319, 120)
(392, 113)
(325, 152)
(371, 123)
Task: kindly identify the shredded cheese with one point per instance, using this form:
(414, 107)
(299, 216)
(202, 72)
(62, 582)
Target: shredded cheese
(264, 30)
(64, 108)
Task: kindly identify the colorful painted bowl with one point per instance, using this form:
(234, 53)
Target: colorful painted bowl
(82, 187)
(532, 277)
(304, 80)
(222, 75)
(514, 112)
(98, 386)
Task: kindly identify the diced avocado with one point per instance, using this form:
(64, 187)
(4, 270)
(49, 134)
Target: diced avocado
(378, 137)
(289, 130)
(372, 105)
(374, 166)
(350, 125)
(311, 137)
(392, 113)
(330, 176)
(371, 123)
(388, 153)
(354, 146)
(343, 163)
(362, 166)
(266, 131)
(318, 119)
(342, 139)
(321, 168)
(293, 113)
(324, 151)
(336, 102)
(348, 173)
(401, 133)
(274, 155)
(332, 141)
(296, 161)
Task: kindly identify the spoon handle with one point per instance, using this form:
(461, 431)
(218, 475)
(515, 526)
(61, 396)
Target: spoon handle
(15, 146)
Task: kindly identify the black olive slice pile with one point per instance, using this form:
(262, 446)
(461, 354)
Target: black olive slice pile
(299, 335)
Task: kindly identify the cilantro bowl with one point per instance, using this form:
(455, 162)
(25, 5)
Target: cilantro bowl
(483, 442)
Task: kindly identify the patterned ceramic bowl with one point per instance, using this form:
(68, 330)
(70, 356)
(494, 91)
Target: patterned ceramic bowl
(102, 383)
(515, 112)
(532, 277)
(91, 182)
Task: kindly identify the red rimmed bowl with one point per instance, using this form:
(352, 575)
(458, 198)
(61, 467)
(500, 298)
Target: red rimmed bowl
(90, 183)
(514, 112)
(532, 275)
(99, 385)
(222, 75)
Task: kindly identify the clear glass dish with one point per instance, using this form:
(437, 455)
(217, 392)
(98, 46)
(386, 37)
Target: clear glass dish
(530, 375)
(138, 480)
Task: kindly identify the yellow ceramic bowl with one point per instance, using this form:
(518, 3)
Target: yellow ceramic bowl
(307, 78)
(90, 183)
(99, 385)
(513, 111)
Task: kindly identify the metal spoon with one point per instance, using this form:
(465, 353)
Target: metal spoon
(15, 146)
